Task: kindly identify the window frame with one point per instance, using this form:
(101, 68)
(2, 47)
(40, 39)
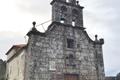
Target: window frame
(70, 43)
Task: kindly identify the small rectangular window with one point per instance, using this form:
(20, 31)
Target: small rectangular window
(52, 65)
(70, 43)
(73, 23)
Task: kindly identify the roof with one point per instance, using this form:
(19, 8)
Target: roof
(16, 47)
(110, 78)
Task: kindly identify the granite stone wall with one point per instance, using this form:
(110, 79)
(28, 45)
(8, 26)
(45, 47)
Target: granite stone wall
(65, 48)
(50, 58)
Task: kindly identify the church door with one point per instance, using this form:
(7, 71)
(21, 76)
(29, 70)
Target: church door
(71, 77)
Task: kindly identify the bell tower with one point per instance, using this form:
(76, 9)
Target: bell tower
(67, 12)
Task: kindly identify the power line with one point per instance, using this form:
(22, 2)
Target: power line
(43, 23)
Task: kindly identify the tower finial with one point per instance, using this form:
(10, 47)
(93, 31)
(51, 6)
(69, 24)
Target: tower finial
(77, 2)
(96, 37)
(34, 23)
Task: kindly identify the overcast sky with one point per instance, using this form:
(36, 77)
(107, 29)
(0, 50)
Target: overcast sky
(100, 17)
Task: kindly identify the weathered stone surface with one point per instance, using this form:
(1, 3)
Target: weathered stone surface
(49, 57)
(65, 49)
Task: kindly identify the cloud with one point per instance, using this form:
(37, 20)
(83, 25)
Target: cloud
(7, 40)
(102, 16)
(35, 6)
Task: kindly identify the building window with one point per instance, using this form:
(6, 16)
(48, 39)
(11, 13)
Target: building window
(52, 65)
(62, 20)
(73, 23)
(70, 43)
(63, 14)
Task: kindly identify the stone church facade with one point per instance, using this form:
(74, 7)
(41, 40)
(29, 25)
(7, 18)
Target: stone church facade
(64, 51)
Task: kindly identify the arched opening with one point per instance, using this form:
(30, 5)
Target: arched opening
(62, 20)
(63, 9)
(63, 12)
(75, 15)
(73, 23)
(75, 12)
